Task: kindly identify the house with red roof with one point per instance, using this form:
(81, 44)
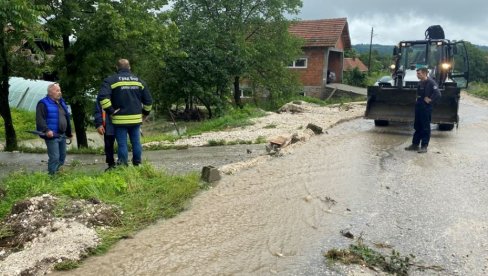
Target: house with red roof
(323, 52)
(351, 63)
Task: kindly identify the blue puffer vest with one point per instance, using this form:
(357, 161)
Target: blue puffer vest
(52, 119)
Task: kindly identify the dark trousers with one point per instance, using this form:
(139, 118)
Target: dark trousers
(109, 141)
(423, 117)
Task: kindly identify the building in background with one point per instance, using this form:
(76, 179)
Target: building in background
(351, 63)
(323, 52)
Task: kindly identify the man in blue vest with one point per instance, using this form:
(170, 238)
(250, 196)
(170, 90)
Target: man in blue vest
(53, 120)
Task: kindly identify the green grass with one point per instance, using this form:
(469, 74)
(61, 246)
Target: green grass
(235, 118)
(144, 194)
(158, 138)
(478, 89)
(67, 265)
(89, 150)
(164, 147)
(23, 121)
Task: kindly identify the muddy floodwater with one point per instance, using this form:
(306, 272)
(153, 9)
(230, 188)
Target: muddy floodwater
(280, 217)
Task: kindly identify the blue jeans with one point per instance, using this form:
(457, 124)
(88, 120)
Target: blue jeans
(123, 150)
(56, 151)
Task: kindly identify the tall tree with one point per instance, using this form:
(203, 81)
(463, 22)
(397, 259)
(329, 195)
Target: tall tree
(19, 24)
(94, 34)
(233, 32)
(478, 63)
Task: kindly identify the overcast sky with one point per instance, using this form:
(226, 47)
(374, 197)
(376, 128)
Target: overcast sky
(394, 21)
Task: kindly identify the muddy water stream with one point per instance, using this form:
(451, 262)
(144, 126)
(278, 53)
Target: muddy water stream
(280, 217)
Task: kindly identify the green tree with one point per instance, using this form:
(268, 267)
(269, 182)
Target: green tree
(94, 35)
(379, 62)
(196, 72)
(478, 63)
(273, 50)
(230, 35)
(19, 24)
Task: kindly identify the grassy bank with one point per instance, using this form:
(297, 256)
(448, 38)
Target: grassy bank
(163, 130)
(478, 89)
(23, 121)
(143, 194)
(153, 131)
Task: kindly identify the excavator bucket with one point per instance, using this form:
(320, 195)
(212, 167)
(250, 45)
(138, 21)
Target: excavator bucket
(446, 109)
(398, 105)
(391, 104)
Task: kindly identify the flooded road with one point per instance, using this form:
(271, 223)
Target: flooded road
(173, 161)
(280, 217)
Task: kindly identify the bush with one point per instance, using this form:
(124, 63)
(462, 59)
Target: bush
(355, 78)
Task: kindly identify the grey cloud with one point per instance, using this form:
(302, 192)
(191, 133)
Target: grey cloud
(395, 21)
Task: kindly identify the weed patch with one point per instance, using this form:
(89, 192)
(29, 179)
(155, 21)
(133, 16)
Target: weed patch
(214, 143)
(270, 126)
(162, 146)
(361, 254)
(67, 265)
(392, 263)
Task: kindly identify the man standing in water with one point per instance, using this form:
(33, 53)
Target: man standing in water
(427, 93)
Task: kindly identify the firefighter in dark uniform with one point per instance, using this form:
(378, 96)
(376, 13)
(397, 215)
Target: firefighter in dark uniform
(427, 94)
(126, 98)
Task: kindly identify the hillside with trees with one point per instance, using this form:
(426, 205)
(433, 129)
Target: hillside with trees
(381, 58)
(380, 49)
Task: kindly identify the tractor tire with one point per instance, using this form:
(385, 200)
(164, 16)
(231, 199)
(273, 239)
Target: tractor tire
(446, 127)
(381, 123)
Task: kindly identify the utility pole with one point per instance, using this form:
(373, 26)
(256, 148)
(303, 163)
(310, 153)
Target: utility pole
(370, 45)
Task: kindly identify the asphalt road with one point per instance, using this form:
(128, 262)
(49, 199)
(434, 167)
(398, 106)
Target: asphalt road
(172, 161)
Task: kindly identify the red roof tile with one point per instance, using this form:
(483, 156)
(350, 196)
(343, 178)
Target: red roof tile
(323, 32)
(350, 64)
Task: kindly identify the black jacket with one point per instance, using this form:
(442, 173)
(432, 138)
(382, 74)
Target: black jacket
(129, 95)
(428, 88)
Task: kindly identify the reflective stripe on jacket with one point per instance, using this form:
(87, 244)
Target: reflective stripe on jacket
(128, 94)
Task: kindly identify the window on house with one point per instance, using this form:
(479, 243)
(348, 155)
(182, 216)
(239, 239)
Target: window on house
(299, 63)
